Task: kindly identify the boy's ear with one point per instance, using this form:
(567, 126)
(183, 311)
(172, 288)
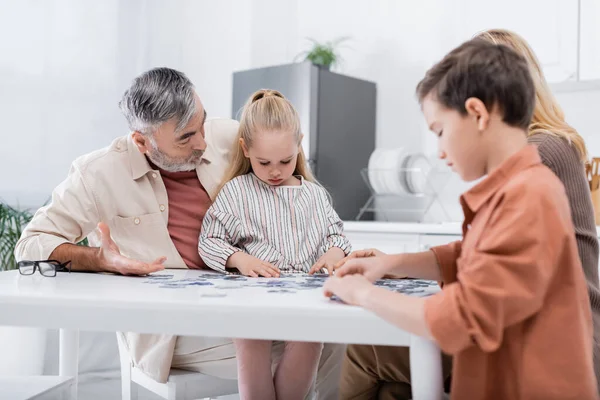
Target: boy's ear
(244, 148)
(475, 108)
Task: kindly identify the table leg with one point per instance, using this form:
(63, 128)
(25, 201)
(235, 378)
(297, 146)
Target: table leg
(68, 361)
(425, 369)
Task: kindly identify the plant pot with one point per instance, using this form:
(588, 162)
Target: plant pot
(22, 350)
(324, 67)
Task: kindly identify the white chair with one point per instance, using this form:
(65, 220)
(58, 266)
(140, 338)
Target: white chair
(181, 385)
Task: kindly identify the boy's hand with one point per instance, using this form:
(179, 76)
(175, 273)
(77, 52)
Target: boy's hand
(251, 266)
(327, 261)
(359, 254)
(351, 289)
(372, 268)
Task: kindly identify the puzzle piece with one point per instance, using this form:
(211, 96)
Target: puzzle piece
(287, 283)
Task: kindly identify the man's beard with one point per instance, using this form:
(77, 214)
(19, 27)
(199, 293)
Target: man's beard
(170, 164)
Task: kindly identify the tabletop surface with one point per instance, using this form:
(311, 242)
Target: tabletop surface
(179, 301)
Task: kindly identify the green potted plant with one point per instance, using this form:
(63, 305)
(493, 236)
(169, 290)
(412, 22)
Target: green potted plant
(12, 223)
(324, 55)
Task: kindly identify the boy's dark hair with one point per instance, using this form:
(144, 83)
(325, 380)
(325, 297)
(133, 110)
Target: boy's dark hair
(495, 74)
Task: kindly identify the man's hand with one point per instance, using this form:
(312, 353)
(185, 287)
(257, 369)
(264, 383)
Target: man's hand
(351, 289)
(109, 257)
(327, 261)
(251, 266)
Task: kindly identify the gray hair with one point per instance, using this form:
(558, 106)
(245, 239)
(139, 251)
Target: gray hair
(157, 96)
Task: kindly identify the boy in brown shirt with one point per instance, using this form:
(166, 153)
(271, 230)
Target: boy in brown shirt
(513, 310)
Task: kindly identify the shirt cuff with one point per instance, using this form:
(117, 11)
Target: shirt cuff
(228, 252)
(338, 241)
(443, 318)
(38, 248)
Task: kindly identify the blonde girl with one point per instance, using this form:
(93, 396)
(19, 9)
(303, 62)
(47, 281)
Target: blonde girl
(271, 216)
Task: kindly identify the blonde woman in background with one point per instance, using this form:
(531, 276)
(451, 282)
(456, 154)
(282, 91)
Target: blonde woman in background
(384, 372)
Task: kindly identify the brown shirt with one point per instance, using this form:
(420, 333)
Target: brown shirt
(514, 310)
(188, 202)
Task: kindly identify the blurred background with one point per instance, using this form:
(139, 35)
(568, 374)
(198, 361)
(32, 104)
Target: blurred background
(65, 63)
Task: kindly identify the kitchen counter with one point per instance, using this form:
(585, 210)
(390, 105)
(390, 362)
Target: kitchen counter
(445, 228)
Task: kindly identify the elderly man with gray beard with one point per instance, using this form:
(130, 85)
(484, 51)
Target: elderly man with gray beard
(140, 202)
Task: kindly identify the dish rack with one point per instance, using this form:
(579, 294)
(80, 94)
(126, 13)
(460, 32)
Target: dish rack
(405, 193)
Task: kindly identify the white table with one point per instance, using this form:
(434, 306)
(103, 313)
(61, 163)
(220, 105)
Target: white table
(102, 302)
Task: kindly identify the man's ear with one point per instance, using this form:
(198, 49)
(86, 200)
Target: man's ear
(476, 109)
(141, 141)
(244, 148)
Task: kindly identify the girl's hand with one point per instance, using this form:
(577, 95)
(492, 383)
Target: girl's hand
(372, 268)
(251, 266)
(351, 289)
(359, 254)
(327, 261)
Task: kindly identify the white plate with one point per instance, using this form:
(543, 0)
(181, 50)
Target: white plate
(385, 171)
(394, 177)
(419, 168)
(373, 171)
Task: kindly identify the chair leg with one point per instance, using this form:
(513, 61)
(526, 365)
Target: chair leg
(128, 387)
(174, 393)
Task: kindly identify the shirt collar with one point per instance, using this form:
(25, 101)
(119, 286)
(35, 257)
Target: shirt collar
(478, 195)
(139, 164)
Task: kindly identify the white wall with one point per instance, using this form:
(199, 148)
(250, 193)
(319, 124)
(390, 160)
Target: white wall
(392, 43)
(65, 64)
(58, 91)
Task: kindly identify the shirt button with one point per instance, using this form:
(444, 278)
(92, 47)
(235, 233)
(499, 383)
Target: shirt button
(162, 207)
(136, 221)
(154, 175)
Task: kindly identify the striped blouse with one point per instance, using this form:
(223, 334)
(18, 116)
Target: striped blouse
(287, 226)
